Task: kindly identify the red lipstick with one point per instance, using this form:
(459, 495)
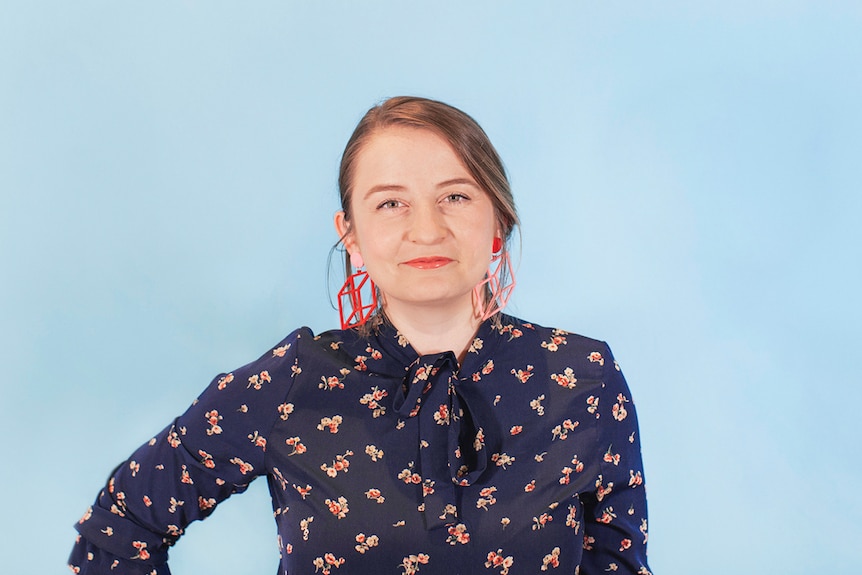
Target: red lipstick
(429, 263)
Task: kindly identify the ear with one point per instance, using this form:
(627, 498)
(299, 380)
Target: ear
(345, 231)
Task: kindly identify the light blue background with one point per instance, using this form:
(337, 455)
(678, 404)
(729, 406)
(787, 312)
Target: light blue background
(688, 176)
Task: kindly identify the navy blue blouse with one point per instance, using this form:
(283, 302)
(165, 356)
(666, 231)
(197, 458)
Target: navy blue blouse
(525, 458)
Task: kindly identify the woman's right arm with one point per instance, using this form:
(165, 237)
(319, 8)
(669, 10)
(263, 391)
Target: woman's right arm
(210, 452)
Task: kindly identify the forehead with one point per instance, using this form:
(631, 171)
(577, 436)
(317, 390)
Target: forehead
(406, 153)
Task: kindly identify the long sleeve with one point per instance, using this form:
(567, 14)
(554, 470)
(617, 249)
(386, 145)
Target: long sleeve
(615, 536)
(210, 452)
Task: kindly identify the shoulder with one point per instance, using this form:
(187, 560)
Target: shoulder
(553, 340)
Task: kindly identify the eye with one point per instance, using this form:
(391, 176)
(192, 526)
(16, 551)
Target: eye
(456, 198)
(389, 205)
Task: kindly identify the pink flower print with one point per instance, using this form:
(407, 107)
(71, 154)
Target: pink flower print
(479, 440)
(557, 339)
(458, 534)
(213, 418)
(375, 495)
(496, 560)
(257, 380)
(142, 553)
(408, 476)
(552, 559)
(373, 353)
(611, 457)
(441, 416)
(596, 357)
(589, 541)
(542, 520)
(411, 563)
(427, 487)
(562, 431)
(593, 405)
(206, 459)
(298, 447)
(607, 516)
(147, 501)
(330, 383)
(566, 379)
(536, 405)
(374, 453)
(643, 530)
(244, 467)
(364, 543)
(516, 429)
(205, 504)
(566, 479)
(619, 409)
(224, 381)
(579, 465)
(572, 519)
(486, 498)
(422, 373)
(326, 563)
(280, 351)
(330, 423)
(175, 504)
(502, 459)
(284, 410)
(341, 463)
(603, 490)
(338, 507)
(258, 440)
(185, 477)
(625, 544)
(305, 527)
(372, 401)
(635, 478)
(360, 363)
(488, 367)
(174, 439)
(86, 517)
(523, 375)
(531, 486)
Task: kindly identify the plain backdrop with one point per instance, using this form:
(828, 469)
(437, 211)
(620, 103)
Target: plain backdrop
(688, 178)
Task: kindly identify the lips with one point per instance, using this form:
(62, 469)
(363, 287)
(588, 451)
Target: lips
(429, 263)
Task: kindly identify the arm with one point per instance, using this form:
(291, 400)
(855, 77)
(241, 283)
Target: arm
(216, 448)
(615, 535)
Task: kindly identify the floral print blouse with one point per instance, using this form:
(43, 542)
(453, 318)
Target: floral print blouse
(523, 459)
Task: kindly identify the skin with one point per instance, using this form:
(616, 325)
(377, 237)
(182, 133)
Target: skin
(425, 231)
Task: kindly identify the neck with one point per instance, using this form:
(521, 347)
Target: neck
(432, 329)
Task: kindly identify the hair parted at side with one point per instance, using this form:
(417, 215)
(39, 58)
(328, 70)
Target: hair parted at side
(467, 138)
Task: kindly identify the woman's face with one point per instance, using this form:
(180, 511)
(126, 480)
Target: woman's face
(421, 223)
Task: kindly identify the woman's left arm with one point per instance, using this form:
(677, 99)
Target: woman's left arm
(615, 534)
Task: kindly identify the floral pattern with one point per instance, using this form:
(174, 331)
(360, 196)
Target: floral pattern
(523, 458)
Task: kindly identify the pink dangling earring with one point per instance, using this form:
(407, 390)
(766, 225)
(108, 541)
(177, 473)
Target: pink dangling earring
(356, 313)
(499, 293)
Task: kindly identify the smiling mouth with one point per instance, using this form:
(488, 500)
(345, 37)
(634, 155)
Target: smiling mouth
(428, 263)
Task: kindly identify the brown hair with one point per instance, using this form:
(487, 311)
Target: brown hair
(469, 141)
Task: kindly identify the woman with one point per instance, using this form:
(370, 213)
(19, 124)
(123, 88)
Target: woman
(432, 433)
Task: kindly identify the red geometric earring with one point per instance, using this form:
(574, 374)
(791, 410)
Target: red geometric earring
(351, 310)
(499, 294)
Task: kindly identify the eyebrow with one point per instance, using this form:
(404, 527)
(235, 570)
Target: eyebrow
(399, 188)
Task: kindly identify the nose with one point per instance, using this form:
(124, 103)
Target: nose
(427, 225)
